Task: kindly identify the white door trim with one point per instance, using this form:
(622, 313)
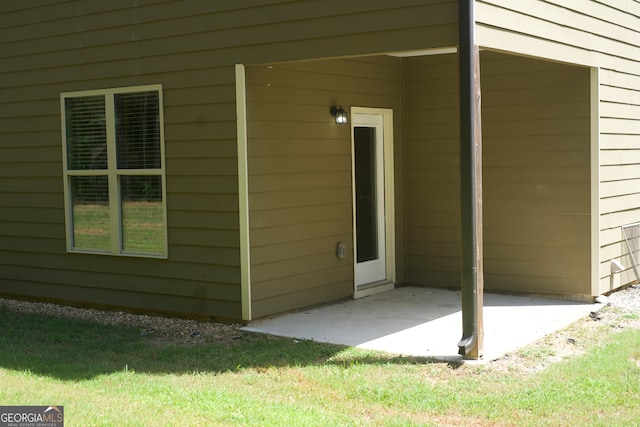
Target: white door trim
(389, 206)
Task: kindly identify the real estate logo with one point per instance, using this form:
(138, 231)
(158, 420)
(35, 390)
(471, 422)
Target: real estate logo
(31, 416)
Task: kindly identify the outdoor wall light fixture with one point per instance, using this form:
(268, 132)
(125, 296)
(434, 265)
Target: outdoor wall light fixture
(339, 114)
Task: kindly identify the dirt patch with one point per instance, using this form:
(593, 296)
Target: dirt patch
(571, 341)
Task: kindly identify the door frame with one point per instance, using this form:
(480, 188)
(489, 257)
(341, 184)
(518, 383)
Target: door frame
(389, 206)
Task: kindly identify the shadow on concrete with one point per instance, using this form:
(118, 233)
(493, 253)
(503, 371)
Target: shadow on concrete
(426, 322)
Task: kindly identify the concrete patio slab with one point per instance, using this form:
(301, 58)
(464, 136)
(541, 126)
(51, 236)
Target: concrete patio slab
(426, 322)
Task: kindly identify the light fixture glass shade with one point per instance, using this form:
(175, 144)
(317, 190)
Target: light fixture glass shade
(339, 114)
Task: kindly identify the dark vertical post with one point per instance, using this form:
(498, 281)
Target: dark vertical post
(471, 344)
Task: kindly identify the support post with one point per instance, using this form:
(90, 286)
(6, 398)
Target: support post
(472, 342)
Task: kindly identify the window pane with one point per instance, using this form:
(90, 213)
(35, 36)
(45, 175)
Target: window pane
(142, 214)
(138, 130)
(90, 202)
(366, 203)
(86, 133)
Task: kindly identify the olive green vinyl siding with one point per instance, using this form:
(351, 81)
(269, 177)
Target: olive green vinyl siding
(535, 118)
(431, 130)
(190, 47)
(201, 275)
(536, 183)
(603, 34)
(299, 161)
(212, 32)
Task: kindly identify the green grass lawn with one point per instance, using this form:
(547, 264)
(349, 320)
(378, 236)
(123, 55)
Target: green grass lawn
(118, 376)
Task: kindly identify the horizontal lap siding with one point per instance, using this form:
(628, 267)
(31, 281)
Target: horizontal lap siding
(44, 55)
(585, 32)
(49, 47)
(536, 174)
(241, 31)
(535, 118)
(299, 161)
(604, 34)
(620, 169)
(432, 170)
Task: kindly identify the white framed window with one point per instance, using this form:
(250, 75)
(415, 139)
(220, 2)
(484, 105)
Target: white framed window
(114, 180)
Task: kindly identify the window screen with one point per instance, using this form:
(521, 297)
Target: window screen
(142, 213)
(90, 205)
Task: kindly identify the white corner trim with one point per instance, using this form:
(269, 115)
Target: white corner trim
(243, 192)
(595, 180)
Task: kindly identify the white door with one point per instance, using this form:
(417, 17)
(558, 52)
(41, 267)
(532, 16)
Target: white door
(369, 198)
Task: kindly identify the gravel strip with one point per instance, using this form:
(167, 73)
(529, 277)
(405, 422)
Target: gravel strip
(626, 299)
(165, 328)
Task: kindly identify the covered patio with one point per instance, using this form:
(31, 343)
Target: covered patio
(426, 322)
(435, 182)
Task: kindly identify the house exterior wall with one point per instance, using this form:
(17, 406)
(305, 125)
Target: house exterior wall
(190, 47)
(432, 146)
(605, 35)
(200, 276)
(536, 183)
(536, 187)
(300, 185)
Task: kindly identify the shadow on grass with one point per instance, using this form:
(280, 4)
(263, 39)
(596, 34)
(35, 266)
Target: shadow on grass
(73, 349)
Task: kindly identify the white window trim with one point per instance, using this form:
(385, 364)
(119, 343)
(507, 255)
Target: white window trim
(112, 172)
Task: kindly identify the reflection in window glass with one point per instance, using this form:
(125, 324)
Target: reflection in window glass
(90, 202)
(142, 214)
(86, 133)
(138, 130)
(366, 202)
